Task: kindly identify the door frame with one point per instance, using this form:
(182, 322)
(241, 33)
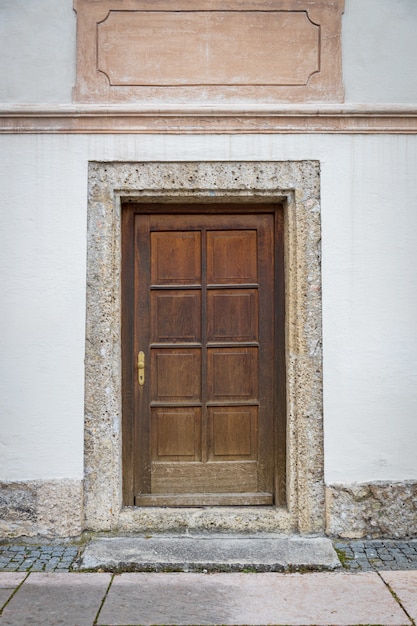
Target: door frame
(130, 435)
(296, 184)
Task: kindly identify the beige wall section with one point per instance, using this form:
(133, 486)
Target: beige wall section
(206, 51)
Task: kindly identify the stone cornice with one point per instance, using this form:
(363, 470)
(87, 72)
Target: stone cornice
(215, 119)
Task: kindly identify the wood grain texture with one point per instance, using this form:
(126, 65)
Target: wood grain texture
(194, 477)
(204, 317)
(207, 499)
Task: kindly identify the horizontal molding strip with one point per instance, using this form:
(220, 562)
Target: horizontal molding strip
(262, 119)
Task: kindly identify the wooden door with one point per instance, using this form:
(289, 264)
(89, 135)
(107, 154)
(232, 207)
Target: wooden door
(199, 314)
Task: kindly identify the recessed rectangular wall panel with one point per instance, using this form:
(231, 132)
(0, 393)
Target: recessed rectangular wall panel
(207, 48)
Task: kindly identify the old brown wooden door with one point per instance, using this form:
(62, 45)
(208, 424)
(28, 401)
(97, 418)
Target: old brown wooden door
(199, 315)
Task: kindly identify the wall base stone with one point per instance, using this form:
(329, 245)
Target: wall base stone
(45, 508)
(372, 510)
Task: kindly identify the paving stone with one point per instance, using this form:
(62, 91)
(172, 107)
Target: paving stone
(8, 584)
(38, 567)
(404, 585)
(269, 598)
(49, 599)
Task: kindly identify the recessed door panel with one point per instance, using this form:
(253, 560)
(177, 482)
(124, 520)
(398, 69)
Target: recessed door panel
(232, 315)
(175, 316)
(232, 257)
(175, 258)
(232, 433)
(176, 434)
(175, 374)
(232, 374)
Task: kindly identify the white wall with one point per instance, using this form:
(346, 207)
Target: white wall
(369, 221)
(38, 39)
(37, 44)
(380, 51)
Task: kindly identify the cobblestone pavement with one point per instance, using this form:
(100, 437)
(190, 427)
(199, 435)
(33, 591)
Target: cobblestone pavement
(37, 558)
(381, 554)
(366, 556)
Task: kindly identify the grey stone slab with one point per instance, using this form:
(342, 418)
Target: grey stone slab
(404, 585)
(8, 583)
(10, 580)
(4, 596)
(49, 599)
(211, 553)
(271, 598)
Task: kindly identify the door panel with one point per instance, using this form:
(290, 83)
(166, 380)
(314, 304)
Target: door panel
(176, 316)
(232, 374)
(203, 315)
(175, 258)
(232, 315)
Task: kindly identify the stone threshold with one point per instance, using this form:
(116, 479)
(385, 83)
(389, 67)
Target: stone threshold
(208, 553)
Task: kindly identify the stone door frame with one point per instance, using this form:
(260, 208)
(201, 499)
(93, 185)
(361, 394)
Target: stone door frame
(297, 185)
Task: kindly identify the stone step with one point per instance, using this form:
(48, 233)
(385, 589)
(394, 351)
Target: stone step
(214, 552)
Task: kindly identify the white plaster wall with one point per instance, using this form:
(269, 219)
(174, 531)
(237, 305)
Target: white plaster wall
(369, 220)
(38, 46)
(380, 51)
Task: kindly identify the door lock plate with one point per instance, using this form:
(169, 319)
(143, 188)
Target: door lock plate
(141, 368)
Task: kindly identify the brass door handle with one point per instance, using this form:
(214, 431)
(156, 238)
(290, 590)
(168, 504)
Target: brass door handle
(141, 368)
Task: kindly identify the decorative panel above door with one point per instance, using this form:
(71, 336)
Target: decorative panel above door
(208, 51)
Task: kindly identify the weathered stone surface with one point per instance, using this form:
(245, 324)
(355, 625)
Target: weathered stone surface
(48, 599)
(327, 599)
(18, 502)
(372, 510)
(214, 552)
(297, 185)
(48, 508)
(404, 585)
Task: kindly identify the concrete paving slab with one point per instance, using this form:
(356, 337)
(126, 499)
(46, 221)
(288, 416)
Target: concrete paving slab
(196, 553)
(8, 583)
(48, 599)
(404, 585)
(328, 599)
